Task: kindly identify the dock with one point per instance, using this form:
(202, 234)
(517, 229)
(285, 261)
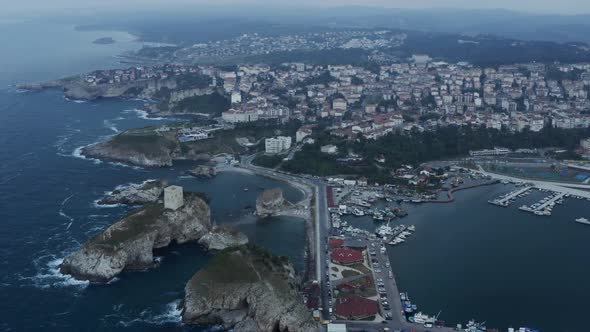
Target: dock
(543, 209)
(505, 200)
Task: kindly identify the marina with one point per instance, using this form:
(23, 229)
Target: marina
(509, 198)
(545, 206)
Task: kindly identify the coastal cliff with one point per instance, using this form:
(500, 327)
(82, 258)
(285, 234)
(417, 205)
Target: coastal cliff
(270, 202)
(80, 90)
(221, 237)
(140, 150)
(128, 244)
(135, 193)
(145, 148)
(247, 289)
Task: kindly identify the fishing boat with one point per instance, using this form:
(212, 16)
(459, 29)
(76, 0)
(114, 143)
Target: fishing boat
(583, 221)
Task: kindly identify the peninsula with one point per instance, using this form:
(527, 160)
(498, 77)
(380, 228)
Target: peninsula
(247, 289)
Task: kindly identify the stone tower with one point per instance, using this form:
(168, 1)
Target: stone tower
(173, 198)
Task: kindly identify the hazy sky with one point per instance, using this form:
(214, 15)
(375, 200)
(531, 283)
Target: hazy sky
(536, 6)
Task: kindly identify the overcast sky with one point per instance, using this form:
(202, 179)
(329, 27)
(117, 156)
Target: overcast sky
(535, 6)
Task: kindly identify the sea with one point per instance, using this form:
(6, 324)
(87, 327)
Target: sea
(48, 193)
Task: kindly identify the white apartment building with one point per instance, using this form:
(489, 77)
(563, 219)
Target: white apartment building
(277, 144)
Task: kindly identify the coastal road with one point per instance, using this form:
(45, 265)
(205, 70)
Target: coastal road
(321, 222)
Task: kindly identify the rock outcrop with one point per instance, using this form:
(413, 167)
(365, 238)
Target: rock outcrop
(140, 150)
(128, 244)
(207, 172)
(270, 202)
(221, 237)
(247, 289)
(80, 90)
(135, 193)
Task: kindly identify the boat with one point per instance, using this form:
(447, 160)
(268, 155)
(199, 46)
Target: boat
(420, 318)
(583, 221)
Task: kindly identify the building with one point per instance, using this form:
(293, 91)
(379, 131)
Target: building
(236, 97)
(173, 197)
(356, 308)
(494, 152)
(235, 116)
(339, 104)
(329, 149)
(346, 256)
(277, 144)
(333, 327)
(302, 133)
(370, 108)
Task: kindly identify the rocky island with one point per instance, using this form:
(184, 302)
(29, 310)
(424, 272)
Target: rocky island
(129, 243)
(221, 237)
(104, 41)
(135, 193)
(270, 202)
(203, 171)
(247, 289)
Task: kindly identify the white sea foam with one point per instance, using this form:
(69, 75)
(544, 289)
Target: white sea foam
(171, 314)
(77, 101)
(6, 179)
(78, 154)
(105, 206)
(63, 214)
(49, 276)
(66, 199)
(143, 114)
(108, 124)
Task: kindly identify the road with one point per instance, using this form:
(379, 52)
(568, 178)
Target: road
(321, 219)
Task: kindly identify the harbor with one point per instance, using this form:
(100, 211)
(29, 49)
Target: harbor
(448, 241)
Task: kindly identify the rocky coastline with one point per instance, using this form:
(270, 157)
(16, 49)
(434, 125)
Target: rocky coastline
(203, 171)
(135, 194)
(270, 202)
(128, 244)
(247, 289)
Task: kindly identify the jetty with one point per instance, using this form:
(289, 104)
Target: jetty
(545, 206)
(507, 199)
(573, 189)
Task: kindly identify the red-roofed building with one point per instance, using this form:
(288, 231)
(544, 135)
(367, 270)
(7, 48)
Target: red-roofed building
(335, 243)
(355, 308)
(346, 256)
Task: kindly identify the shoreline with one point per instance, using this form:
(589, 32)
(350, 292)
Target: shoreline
(309, 193)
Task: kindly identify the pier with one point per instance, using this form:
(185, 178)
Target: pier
(505, 200)
(543, 209)
(573, 189)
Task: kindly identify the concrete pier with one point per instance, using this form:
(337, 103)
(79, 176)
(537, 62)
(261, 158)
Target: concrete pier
(504, 201)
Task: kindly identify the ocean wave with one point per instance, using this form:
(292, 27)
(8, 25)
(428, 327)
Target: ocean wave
(63, 214)
(78, 154)
(49, 275)
(77, 101)
(143, 114)
(105, 206)
(108, 124)
(66, 199)
(171, 314)
(6, 179)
